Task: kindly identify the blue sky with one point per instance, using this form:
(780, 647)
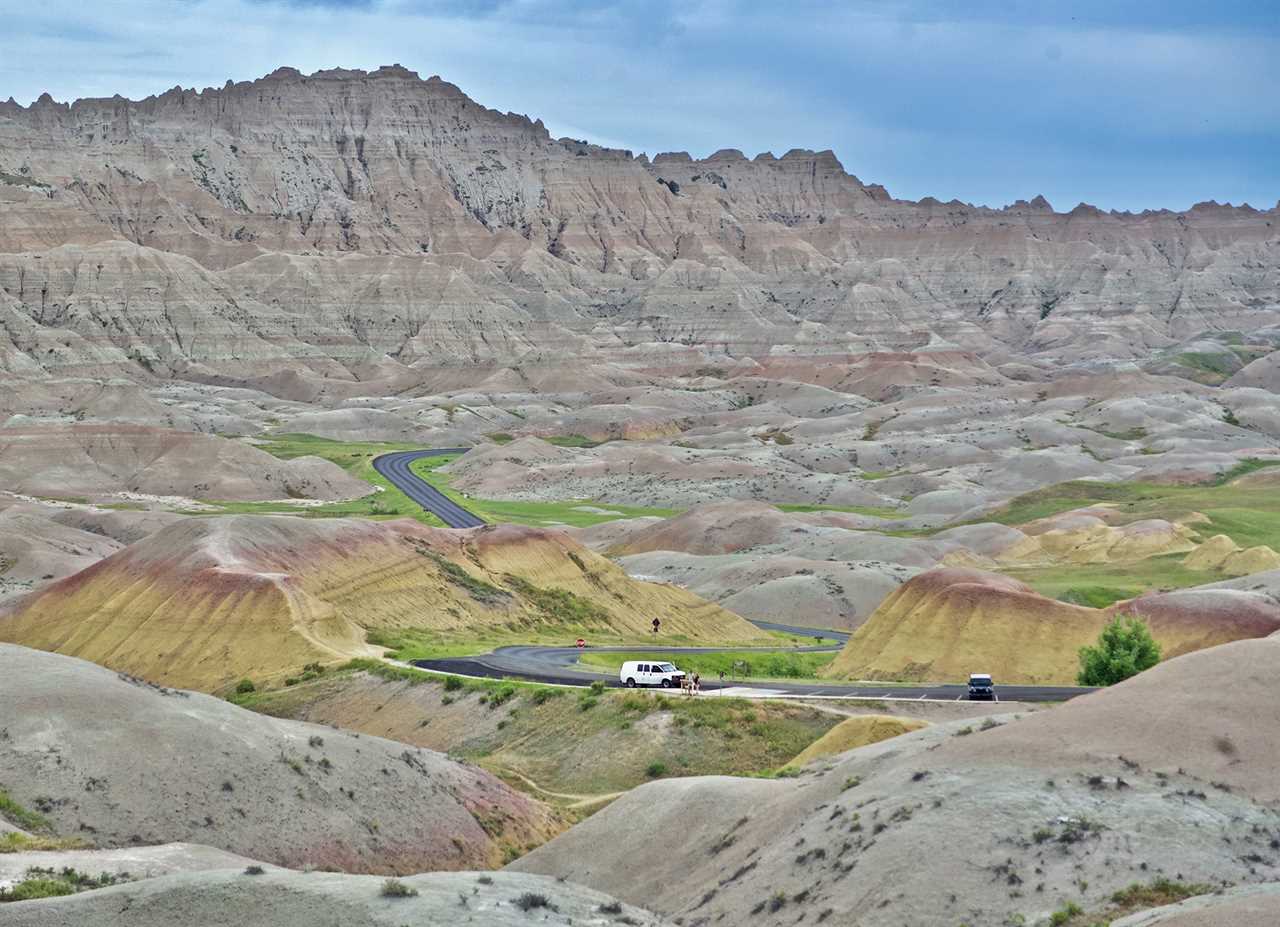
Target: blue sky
(1126, 105)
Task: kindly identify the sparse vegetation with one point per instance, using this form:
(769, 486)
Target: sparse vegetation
(49, 883)
(1065, 913)
(16, 814)
(530, 901)
(394, 888)
(566, 512)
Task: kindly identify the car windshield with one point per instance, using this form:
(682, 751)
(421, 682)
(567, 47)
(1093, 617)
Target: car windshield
(666, 667)
(979, 680)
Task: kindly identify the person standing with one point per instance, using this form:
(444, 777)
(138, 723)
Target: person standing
(697, 683)
(657, 623)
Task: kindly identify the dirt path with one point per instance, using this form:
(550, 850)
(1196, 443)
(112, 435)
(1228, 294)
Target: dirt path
(575, 801)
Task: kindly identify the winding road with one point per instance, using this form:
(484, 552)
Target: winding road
(395, 467)
(559, 665)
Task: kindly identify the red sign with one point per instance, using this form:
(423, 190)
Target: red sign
(581, 642)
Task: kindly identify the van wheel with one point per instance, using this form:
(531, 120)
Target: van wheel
(631, 683)
(666, 683)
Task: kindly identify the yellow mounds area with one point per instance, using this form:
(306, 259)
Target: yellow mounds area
(946, 623)
(208, 601)
(1083, 536)
(856, 732)
(1226, 556)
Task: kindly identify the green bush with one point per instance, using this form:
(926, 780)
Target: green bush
(1064, 914)
(542, 696)
(655, 769)
(38, 887)
(1125, 648)
(597, 687)
(452, 683)
(245, 686)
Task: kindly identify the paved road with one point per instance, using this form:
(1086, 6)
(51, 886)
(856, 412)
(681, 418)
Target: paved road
(395, 467)
(557, 665)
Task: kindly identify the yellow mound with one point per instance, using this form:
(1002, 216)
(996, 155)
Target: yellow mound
(856, 732)
(1254, 560)
(1082, 538)
(1223, 554)
(946, 623)
(207, 601)
(1211, 554)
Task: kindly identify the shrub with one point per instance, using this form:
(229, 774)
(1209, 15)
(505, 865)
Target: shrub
(446, 700)
(655, 769)
(542, 696)
(244, 687)
(597, 687)
(254, 870)
(611, 907)
(452, 683)
(1125, 648)
(394, 888)
(531, 900)
(587, 702)
(501, 695)
(37, 887)
(1065, 913)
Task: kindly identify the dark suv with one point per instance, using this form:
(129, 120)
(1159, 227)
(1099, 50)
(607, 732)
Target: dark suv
(980, 687)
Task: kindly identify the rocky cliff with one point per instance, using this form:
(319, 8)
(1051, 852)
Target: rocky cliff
(359, 227)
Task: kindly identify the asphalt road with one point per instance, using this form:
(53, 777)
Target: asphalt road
(557, 665)
(395, 467)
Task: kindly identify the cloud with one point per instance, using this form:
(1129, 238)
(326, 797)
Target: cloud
(1128, 105)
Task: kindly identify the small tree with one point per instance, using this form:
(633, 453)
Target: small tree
(1125, 648)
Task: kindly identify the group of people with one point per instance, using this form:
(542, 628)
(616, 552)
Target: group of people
(691, 684)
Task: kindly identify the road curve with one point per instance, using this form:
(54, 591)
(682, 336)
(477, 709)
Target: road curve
(395, 467)
(557, 665)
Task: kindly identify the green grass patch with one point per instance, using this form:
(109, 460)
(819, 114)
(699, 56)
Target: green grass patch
(622, 738)
(531, 513)
(356, 457)
(741, 664)
(17, 815)
(1249, 515)
(1097, 596)
(49, 883)
(1098, 585)
(1129, 434)
(15, 842)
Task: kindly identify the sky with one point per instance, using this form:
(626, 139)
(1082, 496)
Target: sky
(1126, 104)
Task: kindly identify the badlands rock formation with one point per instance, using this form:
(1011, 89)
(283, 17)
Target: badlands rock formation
(230, 234)
(229, 898)
(120, 762)
(208, 601)
(101, 460)
(945, 623)
(1068, 805)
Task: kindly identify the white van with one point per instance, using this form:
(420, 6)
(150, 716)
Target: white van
(649, 673)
